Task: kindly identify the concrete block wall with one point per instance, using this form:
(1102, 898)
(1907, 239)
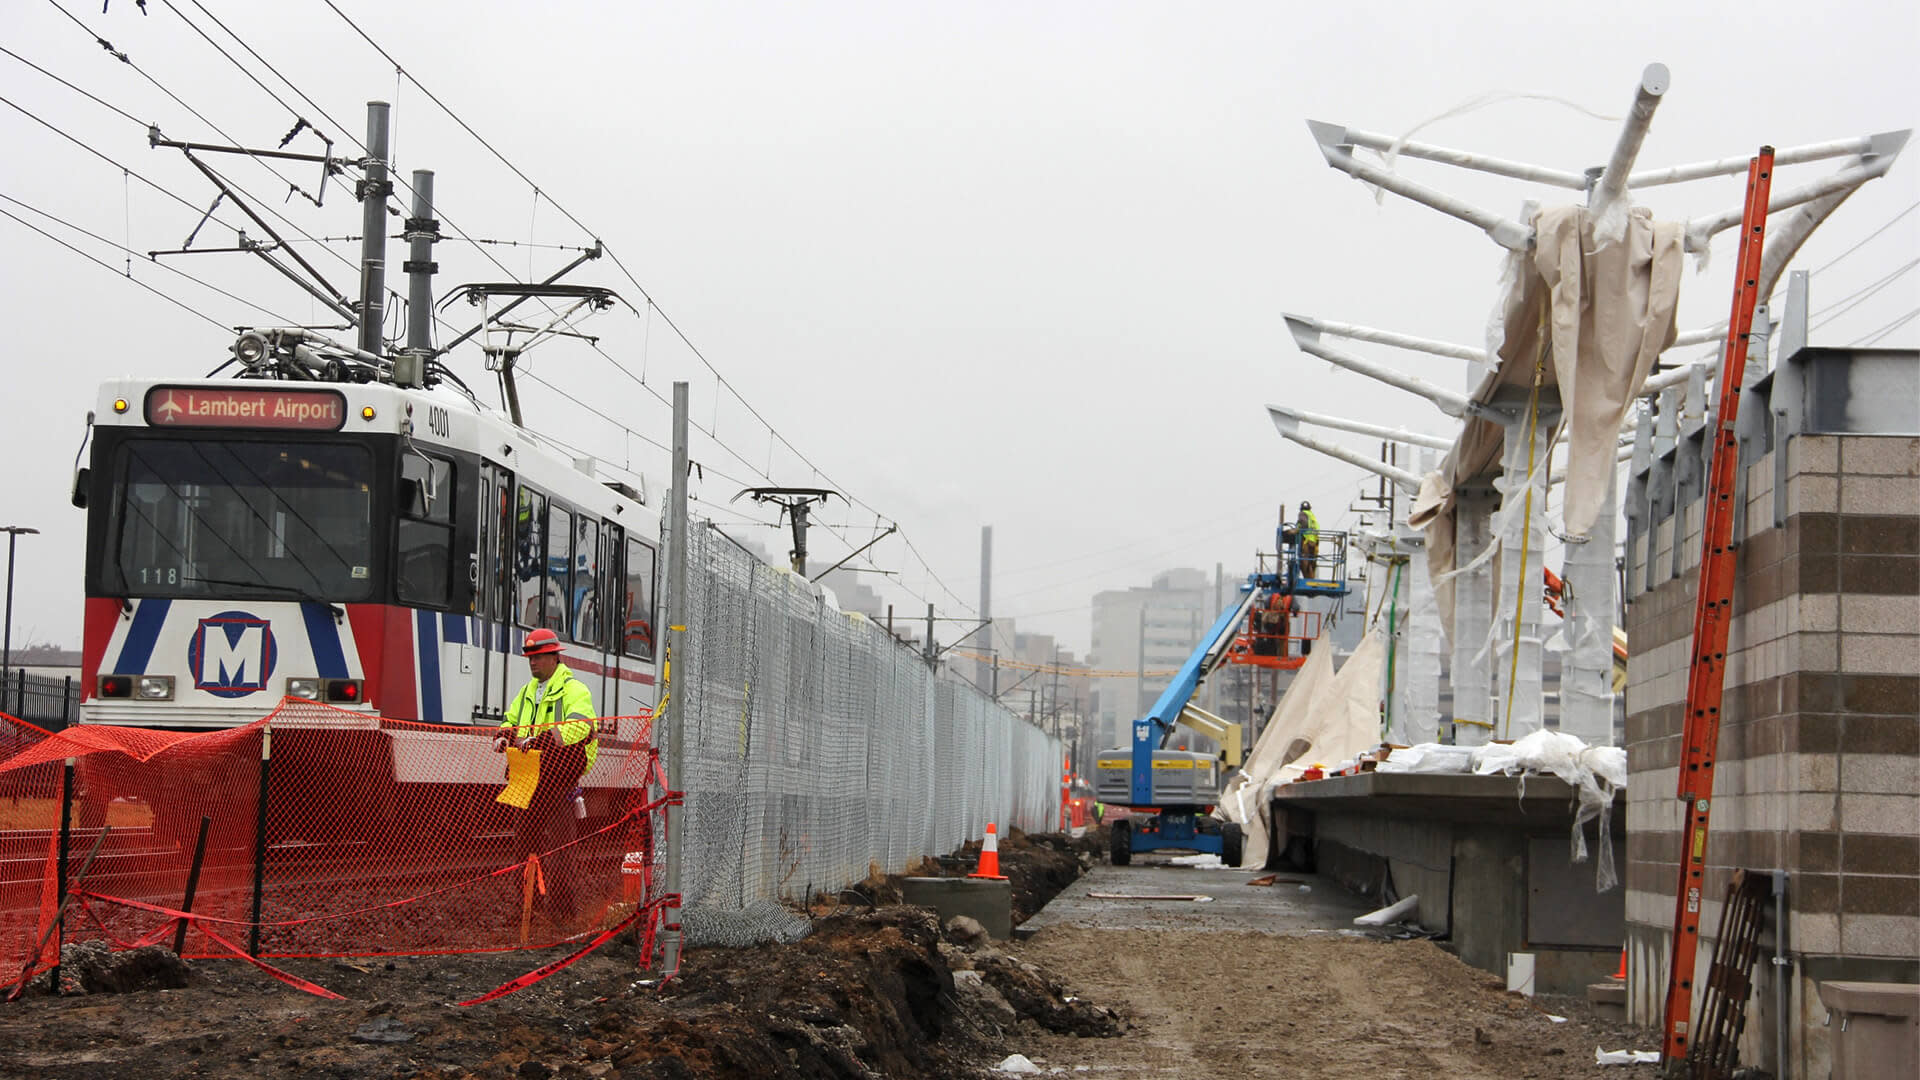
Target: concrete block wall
(1819, 755)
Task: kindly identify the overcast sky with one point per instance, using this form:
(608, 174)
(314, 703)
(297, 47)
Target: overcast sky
(986, 263)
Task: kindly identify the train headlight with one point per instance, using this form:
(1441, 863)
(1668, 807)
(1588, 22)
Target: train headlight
(116, 686)
(305, 688)
(344, 691)
(250, 348)
(155, 688)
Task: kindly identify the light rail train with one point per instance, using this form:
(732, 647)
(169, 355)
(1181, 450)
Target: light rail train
(311, 530)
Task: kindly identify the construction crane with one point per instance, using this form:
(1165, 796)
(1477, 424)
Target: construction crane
(1170, 791)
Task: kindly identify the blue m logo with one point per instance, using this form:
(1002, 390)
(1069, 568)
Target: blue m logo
(232, 654)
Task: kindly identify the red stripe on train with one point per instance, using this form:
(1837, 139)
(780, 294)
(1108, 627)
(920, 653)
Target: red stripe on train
(102, 615)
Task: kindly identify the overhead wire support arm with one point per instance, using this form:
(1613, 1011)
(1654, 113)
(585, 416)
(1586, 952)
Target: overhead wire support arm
(334, 165)
(978, 625)
(592, 253)
(332, 297)
(855, 553)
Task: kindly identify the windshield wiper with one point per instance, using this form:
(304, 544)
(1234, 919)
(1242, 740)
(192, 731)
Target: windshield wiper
(308, 595)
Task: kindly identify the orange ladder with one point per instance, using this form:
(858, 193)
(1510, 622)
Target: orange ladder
(1712, 619)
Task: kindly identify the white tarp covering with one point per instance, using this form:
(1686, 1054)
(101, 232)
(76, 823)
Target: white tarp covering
(1324, 718)
(1594, 773)
(1607, 309)
(1243, 798)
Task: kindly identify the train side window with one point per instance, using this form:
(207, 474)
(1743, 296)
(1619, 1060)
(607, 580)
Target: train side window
(636, 602)
(425, 531)
(613, 580)
(530, 557)
(584, 596)
(496, 545)
(559, 595)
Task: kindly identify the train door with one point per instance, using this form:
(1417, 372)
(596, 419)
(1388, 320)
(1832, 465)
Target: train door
(495, 594)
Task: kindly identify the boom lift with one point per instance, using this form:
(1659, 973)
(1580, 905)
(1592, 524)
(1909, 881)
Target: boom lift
(1171, 791)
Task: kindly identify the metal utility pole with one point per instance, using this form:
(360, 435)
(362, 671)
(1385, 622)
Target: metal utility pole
(931, 653)
(422, 230)
(677, 685)
(14, 532)
(1140, 664)
(1056, 689)
(986, 593)
(373, 193)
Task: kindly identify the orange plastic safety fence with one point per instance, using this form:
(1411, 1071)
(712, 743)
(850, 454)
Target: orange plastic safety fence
(375, 836)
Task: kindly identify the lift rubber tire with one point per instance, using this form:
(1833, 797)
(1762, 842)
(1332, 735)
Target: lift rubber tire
(1120, 843)
(1232, 845)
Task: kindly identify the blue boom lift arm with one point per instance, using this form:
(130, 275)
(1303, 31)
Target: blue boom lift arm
(1151, 731)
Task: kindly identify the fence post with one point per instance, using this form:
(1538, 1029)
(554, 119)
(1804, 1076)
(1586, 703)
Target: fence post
(193, 886)
(682, 683)
(260, 842)
(67, 702)
(60, 872)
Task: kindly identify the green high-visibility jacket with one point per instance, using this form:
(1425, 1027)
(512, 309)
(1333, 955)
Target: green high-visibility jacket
(1309, 527)
(566, 705)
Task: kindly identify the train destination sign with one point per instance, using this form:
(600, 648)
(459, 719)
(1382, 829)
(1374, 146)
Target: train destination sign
(203, 406)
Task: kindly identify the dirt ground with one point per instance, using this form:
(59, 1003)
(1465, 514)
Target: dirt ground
(875, 990)
(1247, 1005)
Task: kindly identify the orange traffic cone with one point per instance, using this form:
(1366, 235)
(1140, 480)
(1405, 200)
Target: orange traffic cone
(1622, 973)
(989, 857)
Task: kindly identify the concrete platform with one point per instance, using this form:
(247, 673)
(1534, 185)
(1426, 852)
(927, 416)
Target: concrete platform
(1487, 855)
(1279, 909)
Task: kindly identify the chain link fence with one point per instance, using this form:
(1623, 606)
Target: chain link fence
(821, 750)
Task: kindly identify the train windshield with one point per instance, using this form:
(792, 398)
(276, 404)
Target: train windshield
(235, 518)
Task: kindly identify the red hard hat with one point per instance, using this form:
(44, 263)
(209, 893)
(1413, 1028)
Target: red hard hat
(540, 641)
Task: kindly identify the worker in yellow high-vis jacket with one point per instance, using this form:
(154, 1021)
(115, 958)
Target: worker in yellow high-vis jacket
(1308, 529)
(553, 714)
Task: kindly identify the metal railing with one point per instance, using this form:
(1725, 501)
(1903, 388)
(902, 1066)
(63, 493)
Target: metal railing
(47, 701)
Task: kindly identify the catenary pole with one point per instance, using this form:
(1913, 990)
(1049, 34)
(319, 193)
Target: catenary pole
(373, 230)
(422, 230)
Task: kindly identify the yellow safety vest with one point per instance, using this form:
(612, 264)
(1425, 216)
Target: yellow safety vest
(574, 719)
(1310, 534)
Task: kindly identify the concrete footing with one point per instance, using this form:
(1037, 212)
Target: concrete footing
(988, 901)
(1609, 999)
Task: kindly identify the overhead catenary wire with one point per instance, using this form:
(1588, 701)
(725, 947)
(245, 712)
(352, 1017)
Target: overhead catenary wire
(244, 70)
(1873, 336)
(115, 271)
(1890, 222)
(88, 94)
(176, 197)
(653, 304)
(1861, 296)
(130, 252)
(124, 58)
